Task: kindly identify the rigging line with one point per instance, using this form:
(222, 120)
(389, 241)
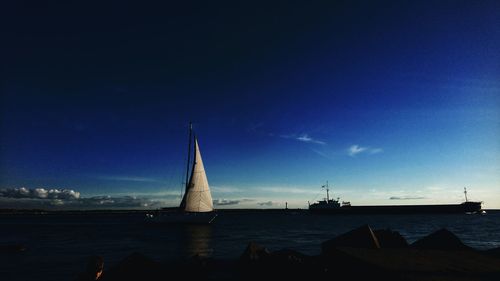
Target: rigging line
(316, 196)
(183, 202)
(183, 185)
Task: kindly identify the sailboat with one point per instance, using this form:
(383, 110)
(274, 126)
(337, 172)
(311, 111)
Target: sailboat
(196, 205)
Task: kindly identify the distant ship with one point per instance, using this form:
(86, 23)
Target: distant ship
(332, 206)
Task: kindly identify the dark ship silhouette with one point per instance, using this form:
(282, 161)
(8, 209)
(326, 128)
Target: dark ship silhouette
(332, 206)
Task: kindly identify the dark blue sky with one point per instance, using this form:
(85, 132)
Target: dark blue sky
(382, 98)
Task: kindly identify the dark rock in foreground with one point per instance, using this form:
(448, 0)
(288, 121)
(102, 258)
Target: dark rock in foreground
(94, 269)
(255, 252)
(493, 252)
(424, 264)
(135, 267)
(442, 239)
(289, 257)
(12, 248)
(341, 258)
(361, 237)
(390, 239)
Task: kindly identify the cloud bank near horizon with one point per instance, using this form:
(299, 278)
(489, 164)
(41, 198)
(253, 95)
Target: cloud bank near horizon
(268, 204)
(227, 202)
(40, 193)
(24, 198)
(69, 199)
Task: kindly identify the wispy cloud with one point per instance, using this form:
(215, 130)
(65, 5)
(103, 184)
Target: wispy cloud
(255, 127)
(166, 194)
(118, 202)
(435, 188)
(287, 190)
(225, 189)
(227, 202)
(268, 204)
(127, 178)
(303, 138)
(406, 197)
(356, 149)
(306, 138)
(323, 154)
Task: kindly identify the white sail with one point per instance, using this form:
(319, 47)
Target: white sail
(198, 197)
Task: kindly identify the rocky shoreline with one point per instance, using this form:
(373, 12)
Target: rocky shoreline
(359, 254)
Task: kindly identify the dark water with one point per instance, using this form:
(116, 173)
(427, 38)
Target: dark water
(58, 245)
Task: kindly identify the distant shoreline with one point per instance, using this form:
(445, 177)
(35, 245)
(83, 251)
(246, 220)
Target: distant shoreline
(129, 211)
(37, 211)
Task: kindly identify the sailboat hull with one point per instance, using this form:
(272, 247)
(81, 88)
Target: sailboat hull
(181, 217)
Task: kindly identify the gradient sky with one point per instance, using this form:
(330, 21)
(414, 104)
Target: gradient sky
(392, 102)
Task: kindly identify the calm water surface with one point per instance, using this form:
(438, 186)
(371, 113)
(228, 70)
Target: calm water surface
(58, 245)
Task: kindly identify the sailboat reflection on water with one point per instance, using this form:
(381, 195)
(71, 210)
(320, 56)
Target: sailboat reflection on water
(199, 240)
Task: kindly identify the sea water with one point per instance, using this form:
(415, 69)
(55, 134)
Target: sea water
(57, 245)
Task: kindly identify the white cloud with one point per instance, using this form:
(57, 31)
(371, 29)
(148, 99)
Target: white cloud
(228, 202)
(23, 191)
(225, 202)
(306, 138)
(23, 198)
(356, 149)
(303, 138)
(57, 202)
(39, 193)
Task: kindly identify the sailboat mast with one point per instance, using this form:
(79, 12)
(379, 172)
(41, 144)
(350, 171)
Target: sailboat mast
(189, 154)
(327, 194)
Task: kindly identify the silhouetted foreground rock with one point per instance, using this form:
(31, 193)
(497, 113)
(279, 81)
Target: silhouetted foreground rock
(12, 248)
(390, 239)
(442, 239)
(257, 262)
(255, 252)
(135, 267)
(361, 237)
(289, 257)
(94, 269)
(493, 252)
(423, 264)
(380, 255)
